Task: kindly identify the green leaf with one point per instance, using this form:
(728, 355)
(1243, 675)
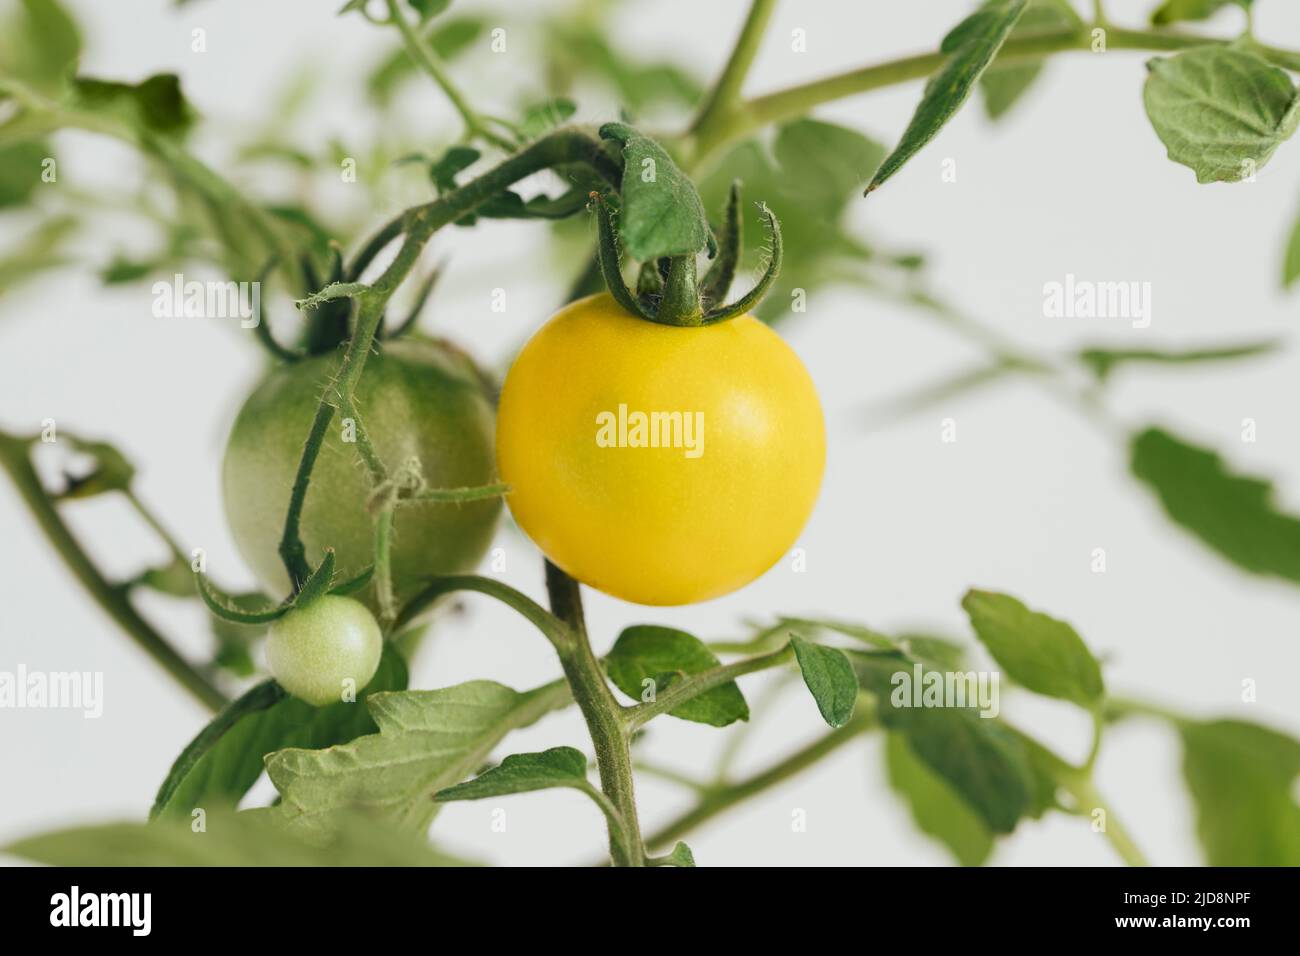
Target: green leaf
(827, 161)
(1038, 652)
(983, 762)
(39, 44)
(21, 167)
(1171, 11)
(111, 471)
(429, 8)
(810, 189)
(523, 773)
(1003, 85)
(662, 214)
(427, 741)
(646, 652)
(1231, 514)
(1242, 778)
(859, 632)
(681, 855)
(579, 53)
(225, 759)
(973, 44)
(155, 105)
(226, 607)
(228, 839)
(1103, 361)
(830, 679)
(1221, 111)
(935, 807)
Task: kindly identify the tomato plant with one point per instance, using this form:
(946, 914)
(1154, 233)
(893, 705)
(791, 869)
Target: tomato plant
(657, 439)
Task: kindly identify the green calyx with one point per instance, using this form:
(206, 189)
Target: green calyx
(669, 290)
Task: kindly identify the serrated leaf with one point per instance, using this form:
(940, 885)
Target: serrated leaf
(1242, 778)
(1038, 652)
(225, 759)
(830, 679)
(973, 44)
(1221, 111)
(1103, 361)
(1172, 11)
(427, 741)
(1232, 514)
(522, 773)
(646, 652)
(936, 808)
(228, 839)
(662, 214)
(983, 762)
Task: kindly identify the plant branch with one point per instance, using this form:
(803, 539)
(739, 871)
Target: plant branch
(726, 91)
(16, 461)
(712, 132)
(697, 684)
(555, 630)
(603, 714)
(427, 60)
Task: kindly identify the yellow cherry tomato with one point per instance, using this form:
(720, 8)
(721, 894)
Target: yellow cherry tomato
(659, 464)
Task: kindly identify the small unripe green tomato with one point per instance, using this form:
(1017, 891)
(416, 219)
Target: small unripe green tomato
(314, 649)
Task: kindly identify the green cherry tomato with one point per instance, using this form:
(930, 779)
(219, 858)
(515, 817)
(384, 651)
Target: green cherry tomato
(320, 651)
(662, 465)
(418, 399)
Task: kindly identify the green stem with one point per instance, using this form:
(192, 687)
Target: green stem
(16, 461)
(726, 91)
(292, 551)
(603, 714)
(555, 630)
(723, 797)
(725, 126)
(1082, 789)
(383, 562)
(153, 522)
(1077, 781)
(426, 59)
(697, 684)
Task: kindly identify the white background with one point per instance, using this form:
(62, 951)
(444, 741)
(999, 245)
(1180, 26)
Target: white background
(1074, 181)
